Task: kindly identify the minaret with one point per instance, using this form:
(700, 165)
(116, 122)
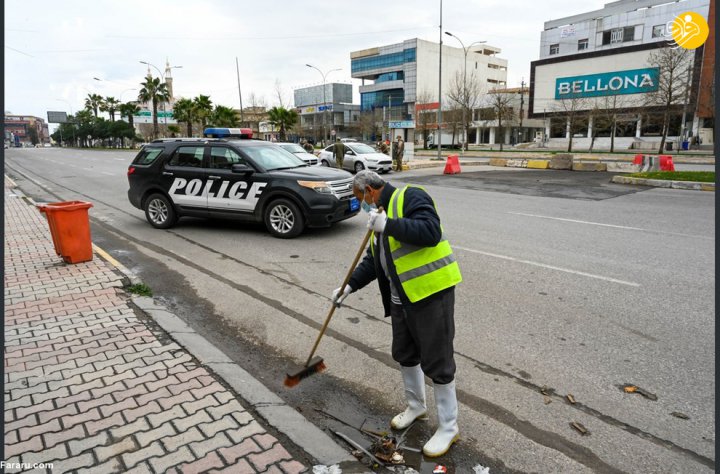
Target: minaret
(169, 80)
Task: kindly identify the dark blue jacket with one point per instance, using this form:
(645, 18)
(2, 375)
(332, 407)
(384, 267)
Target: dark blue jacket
(420, 225)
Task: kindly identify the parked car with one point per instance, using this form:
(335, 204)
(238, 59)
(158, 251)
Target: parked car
(241, 179)
(358, 156)
(300, 152)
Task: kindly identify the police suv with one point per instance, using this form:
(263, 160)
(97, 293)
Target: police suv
(243, 179)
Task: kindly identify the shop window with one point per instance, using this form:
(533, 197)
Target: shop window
(558, 127)
(652, 124)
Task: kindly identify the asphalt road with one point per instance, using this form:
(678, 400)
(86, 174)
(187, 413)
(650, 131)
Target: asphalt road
(572, 284)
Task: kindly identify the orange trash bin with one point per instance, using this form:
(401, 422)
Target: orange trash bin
(70, 229)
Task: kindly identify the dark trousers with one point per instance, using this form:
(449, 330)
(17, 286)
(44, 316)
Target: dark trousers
(423, 334)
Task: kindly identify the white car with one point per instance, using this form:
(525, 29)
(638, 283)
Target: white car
(358, 156)
(300, 152)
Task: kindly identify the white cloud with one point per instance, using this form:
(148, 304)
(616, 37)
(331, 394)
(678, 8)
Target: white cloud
(54, 49)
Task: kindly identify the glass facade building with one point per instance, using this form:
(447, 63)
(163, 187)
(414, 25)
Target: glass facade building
(391, 97)
(384, 60)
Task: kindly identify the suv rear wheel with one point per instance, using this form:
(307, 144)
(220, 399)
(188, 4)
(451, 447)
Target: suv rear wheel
(283, 219)
(160, 212)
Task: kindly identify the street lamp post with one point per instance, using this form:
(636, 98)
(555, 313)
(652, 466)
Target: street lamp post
(162, 77)
(324, 98)
(464, 93)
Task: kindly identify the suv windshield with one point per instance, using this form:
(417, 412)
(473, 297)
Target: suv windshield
(293, 148)
(361, 148)
(273, 157)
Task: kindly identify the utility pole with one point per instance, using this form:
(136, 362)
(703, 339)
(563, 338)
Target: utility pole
(237, 68)
(438, 139)
(522, 103)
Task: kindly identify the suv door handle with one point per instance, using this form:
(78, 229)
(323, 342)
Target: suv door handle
(167, 173)
(214, 177)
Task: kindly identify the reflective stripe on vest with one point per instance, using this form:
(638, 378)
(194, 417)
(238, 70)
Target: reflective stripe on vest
(422, 271)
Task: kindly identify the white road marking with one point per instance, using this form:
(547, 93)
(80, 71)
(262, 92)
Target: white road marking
(108, 173)
(611, 225)
(550, 267)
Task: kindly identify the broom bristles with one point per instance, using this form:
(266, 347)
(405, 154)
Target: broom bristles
(294, 379)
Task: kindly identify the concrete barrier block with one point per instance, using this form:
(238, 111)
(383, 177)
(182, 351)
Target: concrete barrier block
(498, 162)
(538, 164)
(517, 163)
(562, 161)
(589, 166)
(623, 167)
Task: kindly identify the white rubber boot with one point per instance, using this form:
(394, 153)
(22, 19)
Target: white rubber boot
(414, 381)
(447, 432)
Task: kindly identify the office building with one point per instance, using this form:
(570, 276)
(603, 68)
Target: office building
(401, 79)
(604, 62)
(326, 108)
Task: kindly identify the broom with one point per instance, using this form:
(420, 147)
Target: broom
(316, 364)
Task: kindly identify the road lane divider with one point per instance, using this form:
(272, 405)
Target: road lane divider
(550, 267)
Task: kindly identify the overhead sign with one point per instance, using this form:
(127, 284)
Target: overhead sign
(145, 116)
(634, 81)
(57, 117)
(402, 124)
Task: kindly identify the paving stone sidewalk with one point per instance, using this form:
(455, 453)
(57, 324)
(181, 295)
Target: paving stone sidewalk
(90, 386)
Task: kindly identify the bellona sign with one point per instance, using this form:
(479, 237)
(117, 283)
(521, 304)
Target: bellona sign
(635, 81)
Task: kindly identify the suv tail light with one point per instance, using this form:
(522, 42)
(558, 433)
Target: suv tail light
(131, 170)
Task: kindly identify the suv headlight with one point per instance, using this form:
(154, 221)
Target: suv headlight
(320, 186)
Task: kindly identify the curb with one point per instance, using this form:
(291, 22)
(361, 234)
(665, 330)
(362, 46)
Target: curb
(272, 408)
(660, 183)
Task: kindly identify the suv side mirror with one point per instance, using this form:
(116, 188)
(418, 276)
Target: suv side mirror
(242, 168)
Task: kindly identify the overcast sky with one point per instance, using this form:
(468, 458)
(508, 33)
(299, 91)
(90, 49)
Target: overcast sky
(54, 49)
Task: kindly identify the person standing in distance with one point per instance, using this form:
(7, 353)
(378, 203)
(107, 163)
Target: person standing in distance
(416, 270)
(339, 152)
(399, 153)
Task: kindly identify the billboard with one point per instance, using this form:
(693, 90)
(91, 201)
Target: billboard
(633, 81)
(57, 117)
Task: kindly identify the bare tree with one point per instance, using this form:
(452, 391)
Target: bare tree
(371, 123)
(605, 112)
(423, 116)
(501, 105)
(573, 109)
(280, 95)
(673, 81)
(465, 94)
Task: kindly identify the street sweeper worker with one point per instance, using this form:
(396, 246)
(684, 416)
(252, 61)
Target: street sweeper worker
(417, 273)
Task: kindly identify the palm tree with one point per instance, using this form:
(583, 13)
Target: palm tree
(283, 118)
(129, 109)
(153, 90)
(224, 117)
(184, 111)
(110, 105)
(203, 109)
(94, 102)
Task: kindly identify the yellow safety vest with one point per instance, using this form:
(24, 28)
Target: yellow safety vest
(422, 271)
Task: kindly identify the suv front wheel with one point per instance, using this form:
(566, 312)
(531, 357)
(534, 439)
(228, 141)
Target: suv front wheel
(283, 219)
(159, 211)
